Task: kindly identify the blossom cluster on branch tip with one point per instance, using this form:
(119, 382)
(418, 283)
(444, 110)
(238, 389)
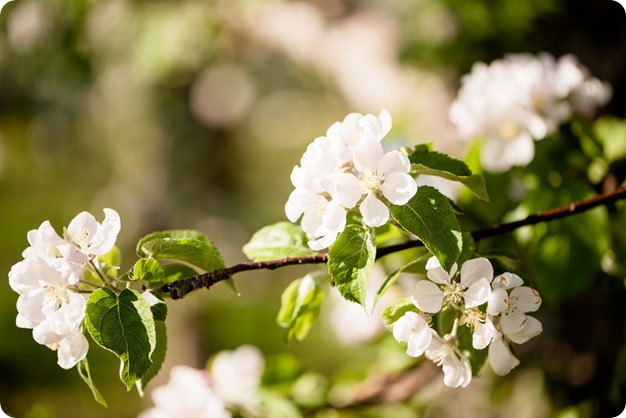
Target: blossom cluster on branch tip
(52, 274)
(519, 99)
(345, 169)
(232, 383)
(494, 309)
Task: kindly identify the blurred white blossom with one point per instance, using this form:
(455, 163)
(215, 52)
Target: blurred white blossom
(519, 99)
(186, 394)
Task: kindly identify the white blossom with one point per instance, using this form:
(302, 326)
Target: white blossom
(376, 172)
(474, 287)
(501, 360)
(186, 394)
(412, 328)
(236, 375)
(50, 307)
(519, 99)
(456, 367)
(355, 127)
(345, 168)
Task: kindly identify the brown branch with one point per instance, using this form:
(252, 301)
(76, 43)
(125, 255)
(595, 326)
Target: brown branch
(181, 288)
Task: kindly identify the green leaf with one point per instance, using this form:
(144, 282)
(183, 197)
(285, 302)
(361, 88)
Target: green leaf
(149, 270)
(300, 307)
(157, 357)
(158, 307)
(123, 325)
(85, 374)
(183, 246)
(350, 261)
(280, 240)
(443, 321)
(428, 216)
(397, 310)
(425, 161)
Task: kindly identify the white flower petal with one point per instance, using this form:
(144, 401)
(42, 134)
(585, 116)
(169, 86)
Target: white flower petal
(436, 273)
(72, 349)
(106, 235)
(348, 190)
(367, 155)
(334, 217)
(475, 270)
(82, 229)
(507, 281)
(484, 334)
(477, 294)
(531, 328)
(498, 301)
(457, 370)
(394, 162)
(399, 188)
(512, 322)
(427, 296)
(501, 359)
(375, 213)
(528, 299)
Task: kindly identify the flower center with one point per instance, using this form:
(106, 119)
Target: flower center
(54, 294)
(372, 182)
(81, 238)
(473, 317)
(508, 130)
(454, 292)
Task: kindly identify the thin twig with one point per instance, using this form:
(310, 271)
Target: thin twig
(181, 288)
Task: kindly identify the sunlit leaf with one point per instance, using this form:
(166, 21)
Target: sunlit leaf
(428, 216)
(85, 374)
(396, 310)
(300, 306)
(425, 161)
(124, 325)
(350, 261)
(280, 240)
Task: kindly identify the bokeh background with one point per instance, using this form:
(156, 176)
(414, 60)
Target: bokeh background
(192, 113)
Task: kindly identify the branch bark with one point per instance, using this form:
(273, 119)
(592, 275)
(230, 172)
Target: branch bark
(181, 288)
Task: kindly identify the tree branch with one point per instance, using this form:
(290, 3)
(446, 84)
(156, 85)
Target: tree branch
(181, 288)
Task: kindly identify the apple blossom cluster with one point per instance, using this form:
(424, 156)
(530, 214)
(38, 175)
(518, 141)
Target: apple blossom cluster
(494, 309)
(51, 277)
(345, 169)
(520, 99)
(232, 382)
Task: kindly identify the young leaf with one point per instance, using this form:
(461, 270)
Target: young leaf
(425, 161)
(157, 357)
(184, 246)
(282, 239)
(300, 307)
(428, 216)
(149, 270)
(85, 374)
(124, 325)
(350, 261)
(396, 310)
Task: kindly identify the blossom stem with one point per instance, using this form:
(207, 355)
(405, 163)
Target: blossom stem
(181, 288)
(102, 277)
